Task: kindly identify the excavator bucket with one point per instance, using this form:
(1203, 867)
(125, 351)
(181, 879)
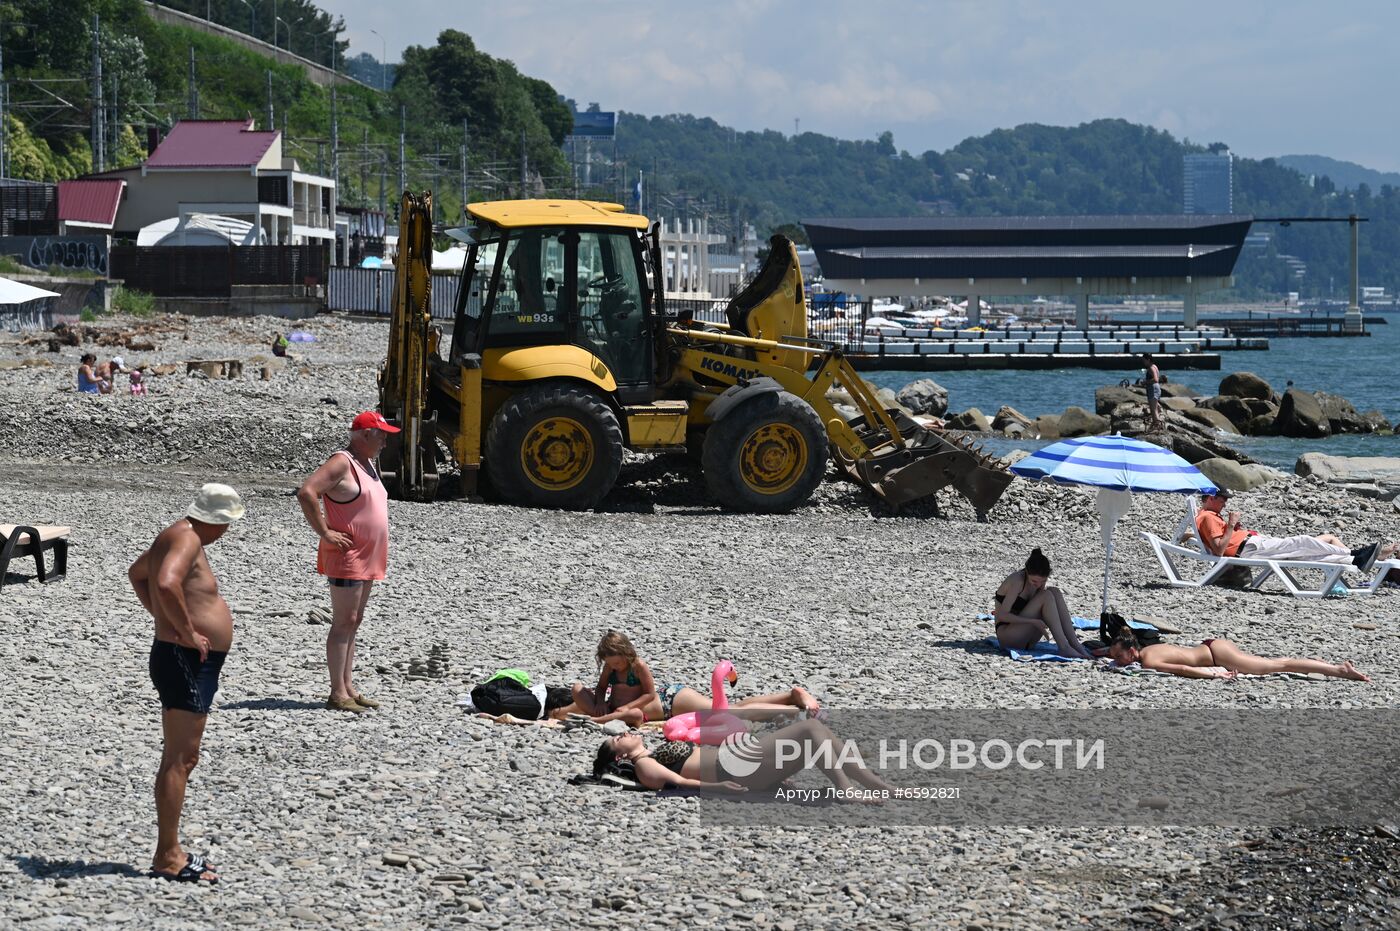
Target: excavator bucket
(927, 461)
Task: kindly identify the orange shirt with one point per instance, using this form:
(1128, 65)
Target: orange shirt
(1211, 526)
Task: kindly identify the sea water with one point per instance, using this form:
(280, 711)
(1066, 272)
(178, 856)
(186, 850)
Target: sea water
(1363, 369)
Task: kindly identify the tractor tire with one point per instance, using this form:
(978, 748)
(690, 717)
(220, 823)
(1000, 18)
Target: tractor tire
(766, 456)
(554, 445)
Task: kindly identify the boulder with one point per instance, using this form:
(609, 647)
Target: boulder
(1300, 415)
(1210, 418)
(1014, 430)
(1076, 421)
(1341, 470)
(1047, 427)
(1235, 476)
(1231, 408)
(971, 419)
(1110, 396)
(1178, 403)
(1009, 415)
(924, 396)
(1245, 385)
(1263, 425)
(885, 396)
(1175, 389)
(1341, 416)
(1377, 422)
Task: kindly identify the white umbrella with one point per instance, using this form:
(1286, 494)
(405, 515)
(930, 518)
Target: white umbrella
(17, 292)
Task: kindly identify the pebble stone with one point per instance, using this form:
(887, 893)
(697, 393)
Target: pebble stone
(415, 815)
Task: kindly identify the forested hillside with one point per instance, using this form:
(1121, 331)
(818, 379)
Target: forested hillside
(1107, 166)
(454, 94)
(48, 48)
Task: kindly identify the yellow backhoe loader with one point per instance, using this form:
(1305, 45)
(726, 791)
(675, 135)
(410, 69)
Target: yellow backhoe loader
(562, 355)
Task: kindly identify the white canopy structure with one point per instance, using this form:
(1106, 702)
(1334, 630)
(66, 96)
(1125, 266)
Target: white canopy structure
(201, 229)
(17, 292)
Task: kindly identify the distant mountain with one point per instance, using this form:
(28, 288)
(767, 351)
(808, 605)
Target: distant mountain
(1106, 166)
(1345, 175)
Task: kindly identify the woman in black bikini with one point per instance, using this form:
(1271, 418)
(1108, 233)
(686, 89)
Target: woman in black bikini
(678, 764)
(1203, 660)
(1026, 609)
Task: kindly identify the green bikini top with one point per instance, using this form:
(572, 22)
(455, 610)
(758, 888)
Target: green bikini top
(632, 679)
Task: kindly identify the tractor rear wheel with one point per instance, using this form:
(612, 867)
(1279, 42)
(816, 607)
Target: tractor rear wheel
(767, 455)
(554, 445)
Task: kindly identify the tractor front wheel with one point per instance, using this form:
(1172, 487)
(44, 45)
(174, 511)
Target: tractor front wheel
(767, 455)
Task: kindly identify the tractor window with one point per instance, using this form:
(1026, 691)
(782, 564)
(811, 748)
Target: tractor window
(529, 303)
(612, 312)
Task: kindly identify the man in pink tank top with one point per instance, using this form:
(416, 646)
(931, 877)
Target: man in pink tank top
(345, 503)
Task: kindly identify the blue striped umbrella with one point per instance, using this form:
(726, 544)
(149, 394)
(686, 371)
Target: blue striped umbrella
(1116, 465)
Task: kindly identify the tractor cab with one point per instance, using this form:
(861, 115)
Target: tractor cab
(558, 283)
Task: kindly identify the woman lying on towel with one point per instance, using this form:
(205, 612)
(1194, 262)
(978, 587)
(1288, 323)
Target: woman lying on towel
(746, 764)
(1026, 609)
(1205, 660)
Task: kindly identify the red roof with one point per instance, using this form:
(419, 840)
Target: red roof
(211, 144)
(89, 201)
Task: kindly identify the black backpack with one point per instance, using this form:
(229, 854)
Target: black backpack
(1111, 624)
(506, 696)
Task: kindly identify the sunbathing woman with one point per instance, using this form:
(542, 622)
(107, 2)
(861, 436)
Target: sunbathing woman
(1026, 609)
(1196, 662)
(687, 765)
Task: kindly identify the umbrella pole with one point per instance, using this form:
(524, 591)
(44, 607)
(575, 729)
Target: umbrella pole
(1107, 569)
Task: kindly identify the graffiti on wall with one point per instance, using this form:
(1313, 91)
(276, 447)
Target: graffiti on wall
(75, 253)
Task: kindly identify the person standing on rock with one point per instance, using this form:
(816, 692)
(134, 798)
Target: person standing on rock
(194, 630)
(346, 503)
(1152, 381)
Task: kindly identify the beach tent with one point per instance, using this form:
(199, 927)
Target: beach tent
(1117, 466)
(17, 292)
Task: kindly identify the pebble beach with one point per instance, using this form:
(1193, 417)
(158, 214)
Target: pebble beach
(419, 815)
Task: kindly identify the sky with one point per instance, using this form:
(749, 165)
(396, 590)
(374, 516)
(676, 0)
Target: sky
(1267, 78)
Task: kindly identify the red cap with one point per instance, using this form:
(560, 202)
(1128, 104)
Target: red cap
(373, 420)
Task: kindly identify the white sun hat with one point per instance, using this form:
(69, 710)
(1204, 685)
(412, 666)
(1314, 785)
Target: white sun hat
(216, 504)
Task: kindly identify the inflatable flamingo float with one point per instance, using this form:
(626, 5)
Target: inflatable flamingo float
(713, 726)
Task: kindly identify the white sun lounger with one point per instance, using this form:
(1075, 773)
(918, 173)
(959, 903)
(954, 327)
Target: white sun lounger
(1180, 556)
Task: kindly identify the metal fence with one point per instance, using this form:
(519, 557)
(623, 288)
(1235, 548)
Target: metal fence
(208, 271)
(371, 291)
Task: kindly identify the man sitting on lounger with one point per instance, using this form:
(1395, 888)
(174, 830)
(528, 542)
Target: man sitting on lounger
(1226, 536)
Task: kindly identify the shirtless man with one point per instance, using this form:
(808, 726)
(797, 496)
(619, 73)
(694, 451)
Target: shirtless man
(194, 631)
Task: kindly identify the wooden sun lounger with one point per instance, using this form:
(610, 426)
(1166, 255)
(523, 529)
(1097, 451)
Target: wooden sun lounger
(21, 540)
(1176, 556)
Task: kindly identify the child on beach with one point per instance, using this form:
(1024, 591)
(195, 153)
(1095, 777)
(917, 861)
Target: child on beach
(1205, 660)
(625, 688)
(627, 691)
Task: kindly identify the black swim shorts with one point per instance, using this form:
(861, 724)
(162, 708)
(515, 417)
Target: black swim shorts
(182, 681)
